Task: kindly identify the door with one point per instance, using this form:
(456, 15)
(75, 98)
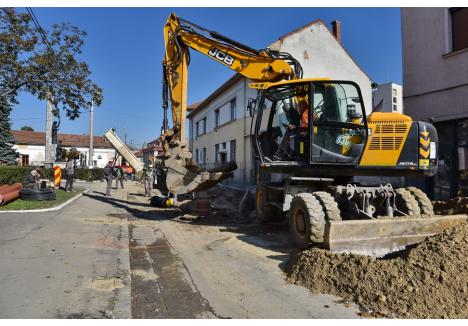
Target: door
(339, 130)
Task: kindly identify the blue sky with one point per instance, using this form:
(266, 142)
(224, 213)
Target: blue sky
(125, 47)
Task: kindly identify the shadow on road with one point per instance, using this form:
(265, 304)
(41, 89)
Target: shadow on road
(270, 236)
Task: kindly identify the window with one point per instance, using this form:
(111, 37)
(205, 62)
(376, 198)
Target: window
(24, 159)
(200, 127)
(216, 153)
(233, 108)
(232, 150)
(394, 99)
(459, 18)
(224, 145)
(395, 107)
(197, 156)
(216, 112)
(204, 155)
(394, 92)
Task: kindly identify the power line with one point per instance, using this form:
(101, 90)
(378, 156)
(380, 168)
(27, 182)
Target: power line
(39, 29)
(44, 39)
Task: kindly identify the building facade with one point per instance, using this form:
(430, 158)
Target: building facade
(220, 126)
(388, 98)
(151, 151)
(30, 146)
(435, 78)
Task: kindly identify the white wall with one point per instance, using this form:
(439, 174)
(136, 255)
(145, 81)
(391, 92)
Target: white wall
(322, 56)
(37, 153)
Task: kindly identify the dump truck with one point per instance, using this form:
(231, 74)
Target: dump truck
(311, 138)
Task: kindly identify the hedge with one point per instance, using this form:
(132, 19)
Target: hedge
(10, 174)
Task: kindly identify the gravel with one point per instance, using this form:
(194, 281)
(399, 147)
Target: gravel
(427, 281)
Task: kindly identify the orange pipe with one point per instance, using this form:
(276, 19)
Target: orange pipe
(4, 189)
(8, 197)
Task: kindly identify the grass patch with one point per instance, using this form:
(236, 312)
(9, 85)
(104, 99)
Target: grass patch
(62, 196)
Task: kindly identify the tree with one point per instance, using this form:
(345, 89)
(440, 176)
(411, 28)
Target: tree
(43, 63)
(7, 153)
(27, 63)
(27, 128)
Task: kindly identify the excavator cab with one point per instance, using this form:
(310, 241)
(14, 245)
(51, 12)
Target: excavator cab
(314, 122)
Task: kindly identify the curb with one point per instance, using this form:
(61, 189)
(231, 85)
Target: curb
(51, 209)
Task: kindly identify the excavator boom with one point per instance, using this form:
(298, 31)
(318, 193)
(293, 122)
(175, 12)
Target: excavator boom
(182, 173)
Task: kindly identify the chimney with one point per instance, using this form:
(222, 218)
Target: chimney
(336, 24)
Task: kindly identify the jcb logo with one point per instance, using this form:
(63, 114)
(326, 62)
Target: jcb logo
(221, 56)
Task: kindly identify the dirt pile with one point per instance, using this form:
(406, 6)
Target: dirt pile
(429, 281)
(457, 205)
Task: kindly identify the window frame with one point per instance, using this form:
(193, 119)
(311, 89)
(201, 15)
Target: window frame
(233, 108)
(217, 116)
(451, 12)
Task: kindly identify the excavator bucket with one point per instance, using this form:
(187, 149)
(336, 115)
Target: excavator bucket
(379, 237)
(180, 180)
(183, 175)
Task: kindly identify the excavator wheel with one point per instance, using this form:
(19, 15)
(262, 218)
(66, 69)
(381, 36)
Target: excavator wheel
(306, 221)
(424, 203)
(329, 206)
(266, 213)
(407, 203)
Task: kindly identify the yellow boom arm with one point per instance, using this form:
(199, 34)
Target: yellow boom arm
(180, 35)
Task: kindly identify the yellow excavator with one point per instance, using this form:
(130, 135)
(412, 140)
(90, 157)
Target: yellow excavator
(311, 137)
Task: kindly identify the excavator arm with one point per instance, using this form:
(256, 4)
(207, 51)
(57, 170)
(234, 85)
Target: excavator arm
(181, 35)
(182, 173)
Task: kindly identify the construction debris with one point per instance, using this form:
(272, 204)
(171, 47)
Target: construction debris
(457, 205)
(427, 281)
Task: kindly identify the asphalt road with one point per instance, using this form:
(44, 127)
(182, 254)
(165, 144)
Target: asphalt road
(121, 258)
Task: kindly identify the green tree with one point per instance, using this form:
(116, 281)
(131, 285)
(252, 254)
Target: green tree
(27, 128)
(44, 69)
(7, 153)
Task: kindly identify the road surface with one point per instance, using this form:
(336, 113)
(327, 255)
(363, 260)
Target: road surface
(119, 257)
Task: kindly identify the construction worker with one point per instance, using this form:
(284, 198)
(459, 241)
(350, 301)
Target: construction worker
(31, 181)
(119, 177)
(148, 178)
(108, 174)
(70, 171)
(304, 110)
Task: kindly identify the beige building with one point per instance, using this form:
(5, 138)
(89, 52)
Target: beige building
(219, 128)
(435, 81)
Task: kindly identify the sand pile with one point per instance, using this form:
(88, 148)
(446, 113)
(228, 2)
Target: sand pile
(429, 281)
(457, 205)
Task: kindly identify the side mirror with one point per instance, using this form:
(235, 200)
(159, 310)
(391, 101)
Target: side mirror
(252, 106)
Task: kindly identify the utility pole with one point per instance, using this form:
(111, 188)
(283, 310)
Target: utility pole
(48, 158)
(91, 128)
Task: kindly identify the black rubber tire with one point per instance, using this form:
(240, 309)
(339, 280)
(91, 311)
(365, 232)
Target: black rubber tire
(306, 221)
(41, 194)
(266, 213)
(425, 204)
(406, 203)
(329, 206)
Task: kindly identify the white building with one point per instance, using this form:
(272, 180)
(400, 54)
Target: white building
(388, 98)
(219, 127)
(30, 145)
